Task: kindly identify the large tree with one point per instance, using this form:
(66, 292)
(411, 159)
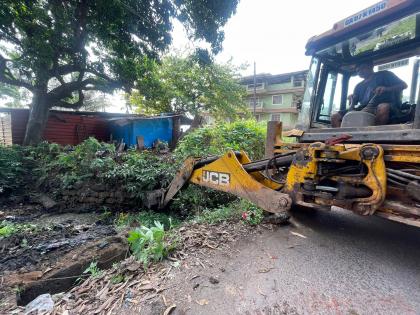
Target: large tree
(193, 85)
(58, 49)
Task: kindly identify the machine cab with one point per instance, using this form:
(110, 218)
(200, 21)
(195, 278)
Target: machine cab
(387, 35)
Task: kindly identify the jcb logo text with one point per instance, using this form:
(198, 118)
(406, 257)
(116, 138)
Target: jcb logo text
(216, 178)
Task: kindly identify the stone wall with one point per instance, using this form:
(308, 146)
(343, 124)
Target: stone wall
(89, 194)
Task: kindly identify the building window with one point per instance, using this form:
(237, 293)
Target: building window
(297, 83)
(258, 117)
(258, 102)
(277, 99)
(275, 117)
(258, 86)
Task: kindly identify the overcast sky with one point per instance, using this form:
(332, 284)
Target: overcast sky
(273, 33)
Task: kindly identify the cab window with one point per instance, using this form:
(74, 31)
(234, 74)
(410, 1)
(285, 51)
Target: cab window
(330, 100)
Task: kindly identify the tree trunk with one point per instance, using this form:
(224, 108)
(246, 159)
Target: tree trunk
(37, 121)
(176, 131)
(197, 122)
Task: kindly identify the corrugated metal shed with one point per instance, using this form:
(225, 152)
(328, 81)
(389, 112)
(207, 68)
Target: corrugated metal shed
(62, 127)
(127, 129)
(66, 127)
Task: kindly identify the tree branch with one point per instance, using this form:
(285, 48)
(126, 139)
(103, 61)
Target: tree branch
(66, 89)
(7, 77)
(75, 105)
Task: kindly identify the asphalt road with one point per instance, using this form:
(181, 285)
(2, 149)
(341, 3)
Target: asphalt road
(338, 263)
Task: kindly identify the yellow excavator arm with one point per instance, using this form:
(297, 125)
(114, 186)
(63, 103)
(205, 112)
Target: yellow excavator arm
(364, 178)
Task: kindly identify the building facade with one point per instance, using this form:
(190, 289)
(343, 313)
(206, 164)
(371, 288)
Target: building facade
(278, 97)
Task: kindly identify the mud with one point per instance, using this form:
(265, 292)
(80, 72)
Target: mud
(52, 245)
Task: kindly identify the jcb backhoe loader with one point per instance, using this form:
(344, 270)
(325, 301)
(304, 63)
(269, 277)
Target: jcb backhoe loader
(369, 169)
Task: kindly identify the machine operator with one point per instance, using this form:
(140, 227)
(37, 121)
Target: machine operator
(379, 93)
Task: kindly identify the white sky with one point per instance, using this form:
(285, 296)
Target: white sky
(273, 33)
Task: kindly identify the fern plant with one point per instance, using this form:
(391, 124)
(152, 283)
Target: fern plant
(150, 244)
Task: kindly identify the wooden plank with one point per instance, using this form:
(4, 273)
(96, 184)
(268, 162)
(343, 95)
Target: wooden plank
(140, 143)
(273, 130)
(5, 130)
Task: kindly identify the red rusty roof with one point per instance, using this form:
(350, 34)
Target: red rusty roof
(63, 127)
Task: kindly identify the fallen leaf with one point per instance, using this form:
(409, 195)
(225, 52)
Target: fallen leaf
(298, 234)
(193, 277)
(202, 302)
(176, 264)
(164, 300)
(169, 309)
(47, 270)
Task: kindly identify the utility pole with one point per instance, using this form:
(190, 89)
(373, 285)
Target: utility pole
(255, 88)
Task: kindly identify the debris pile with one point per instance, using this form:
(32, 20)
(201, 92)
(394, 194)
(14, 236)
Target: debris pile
(130, 285)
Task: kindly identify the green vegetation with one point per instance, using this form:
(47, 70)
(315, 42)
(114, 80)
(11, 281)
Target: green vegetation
(54, 169)
(252, 214)
(194, 199)
(93, 46)
(11, 169)
(248, 212)
(93, 270)
(222, 213)
(146, 218)
(8, 229)
(192, 84)
(151, 244)
(118, 278)
(51, 168)
(246, 135)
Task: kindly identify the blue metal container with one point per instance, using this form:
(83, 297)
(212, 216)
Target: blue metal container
(127, 129)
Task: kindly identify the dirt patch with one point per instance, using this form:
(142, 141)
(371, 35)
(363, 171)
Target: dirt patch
(47, 244)
(65, 273)
(128, 288)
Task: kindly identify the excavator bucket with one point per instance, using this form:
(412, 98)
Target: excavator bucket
(227, 174)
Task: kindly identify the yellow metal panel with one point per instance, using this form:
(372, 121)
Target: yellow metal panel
(227, 174)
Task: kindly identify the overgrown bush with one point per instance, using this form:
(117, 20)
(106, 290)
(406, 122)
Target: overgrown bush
(194, 199)
(247, 135)
(12, 171)
(141, 172)
(54, 169)
(235, 210)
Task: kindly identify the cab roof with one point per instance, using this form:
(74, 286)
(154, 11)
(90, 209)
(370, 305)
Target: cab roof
(374, 16)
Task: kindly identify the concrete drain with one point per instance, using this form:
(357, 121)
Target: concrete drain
(63, 275)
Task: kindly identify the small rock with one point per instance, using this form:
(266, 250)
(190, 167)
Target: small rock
(103, 244)
(222, 269)
(196, 286)
(213, 280)
(56, 245)
(42, 304)
(58, 296)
